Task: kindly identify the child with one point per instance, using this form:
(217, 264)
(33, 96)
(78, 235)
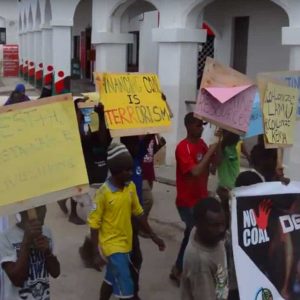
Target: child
(228, 167)
(27, 259)
(110, 221)
(204, 275)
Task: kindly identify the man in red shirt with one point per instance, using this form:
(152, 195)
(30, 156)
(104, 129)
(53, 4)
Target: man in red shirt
(193, 159)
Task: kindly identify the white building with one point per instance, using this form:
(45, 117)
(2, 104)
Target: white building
(8, 22)
(161, 36)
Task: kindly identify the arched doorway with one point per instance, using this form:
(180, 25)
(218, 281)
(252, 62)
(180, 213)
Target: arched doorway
(139, 18)
(83, 54)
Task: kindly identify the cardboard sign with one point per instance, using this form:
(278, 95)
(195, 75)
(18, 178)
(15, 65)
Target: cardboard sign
(290, 78)
(225, 97)
(133, 104)
(40, 153)
(266, 240)
(233, 115)
(279, 110)
(256, 126)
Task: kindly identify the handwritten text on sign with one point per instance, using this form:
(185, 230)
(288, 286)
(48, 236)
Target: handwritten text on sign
(40, 151)
(279, 109)
(132, 101)
(235, 113)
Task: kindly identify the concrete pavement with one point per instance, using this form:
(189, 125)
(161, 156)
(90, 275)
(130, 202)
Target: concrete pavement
(77, 282)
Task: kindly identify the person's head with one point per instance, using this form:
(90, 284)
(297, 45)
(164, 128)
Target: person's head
(20, 88)
(120, 163)
(210, 221)
(41, 214)
(194, 126)
(230, 138)
(247, 178)
(264, 161)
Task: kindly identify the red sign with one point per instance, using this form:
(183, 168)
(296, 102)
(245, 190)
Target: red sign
(10, 68)
(10, 60)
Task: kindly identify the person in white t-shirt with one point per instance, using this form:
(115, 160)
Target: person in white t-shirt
(27, 259)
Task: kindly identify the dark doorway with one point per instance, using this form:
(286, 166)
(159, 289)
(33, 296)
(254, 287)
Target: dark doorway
(133, 53)
(240, 43)
(2, 36)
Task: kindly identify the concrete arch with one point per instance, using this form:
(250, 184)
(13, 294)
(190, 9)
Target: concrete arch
(48, 12)
(30, 19)
(282, 4)
(20, 23)
(38, 15)
(192, 12)
(130, 8)
(25, 22)
(82, 15)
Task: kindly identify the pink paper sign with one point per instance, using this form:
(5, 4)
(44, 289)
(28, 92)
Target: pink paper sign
(223, 94)
(234, 113)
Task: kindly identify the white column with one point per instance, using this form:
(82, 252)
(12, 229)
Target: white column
(291, 37)
(111, 51)
(38, 58)
(31, 56)
(61, 45)
(178, 52)
(21, 53)
(26, 54)
(47, 55)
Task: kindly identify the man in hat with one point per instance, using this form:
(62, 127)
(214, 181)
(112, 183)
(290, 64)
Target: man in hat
(110, 222)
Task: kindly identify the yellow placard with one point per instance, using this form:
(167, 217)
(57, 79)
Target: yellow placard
(279, 110)
(40, 150)
(93, 96)
(94, 126)
(133, 101)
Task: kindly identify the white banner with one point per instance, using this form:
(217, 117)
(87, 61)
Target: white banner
(266, 241)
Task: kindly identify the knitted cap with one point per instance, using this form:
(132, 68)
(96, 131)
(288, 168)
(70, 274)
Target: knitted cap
(20, 88)
(118, 158)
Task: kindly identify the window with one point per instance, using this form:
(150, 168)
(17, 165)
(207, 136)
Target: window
(3, 36)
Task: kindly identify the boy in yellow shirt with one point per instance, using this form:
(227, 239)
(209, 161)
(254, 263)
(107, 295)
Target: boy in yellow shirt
(110, 222)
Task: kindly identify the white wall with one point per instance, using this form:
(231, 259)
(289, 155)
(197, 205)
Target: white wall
(148, 48)
(144, 23)
(265, 52)
(9, 12)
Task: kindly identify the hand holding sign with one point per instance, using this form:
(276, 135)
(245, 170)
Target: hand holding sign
(40, 152)
(225, 97)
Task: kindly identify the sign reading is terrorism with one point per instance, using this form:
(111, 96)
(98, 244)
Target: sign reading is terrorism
(133, 103)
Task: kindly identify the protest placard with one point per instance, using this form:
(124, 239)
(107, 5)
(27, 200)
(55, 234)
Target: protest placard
(225, 97)
(266, 240)
(256, 126)
(40, 153)
(133, 103)
(279, 111)
(289, 78)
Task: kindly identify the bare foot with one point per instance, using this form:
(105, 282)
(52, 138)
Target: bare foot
(76, 220)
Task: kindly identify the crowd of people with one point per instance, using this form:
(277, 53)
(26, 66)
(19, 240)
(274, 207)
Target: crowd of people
(121, 177)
